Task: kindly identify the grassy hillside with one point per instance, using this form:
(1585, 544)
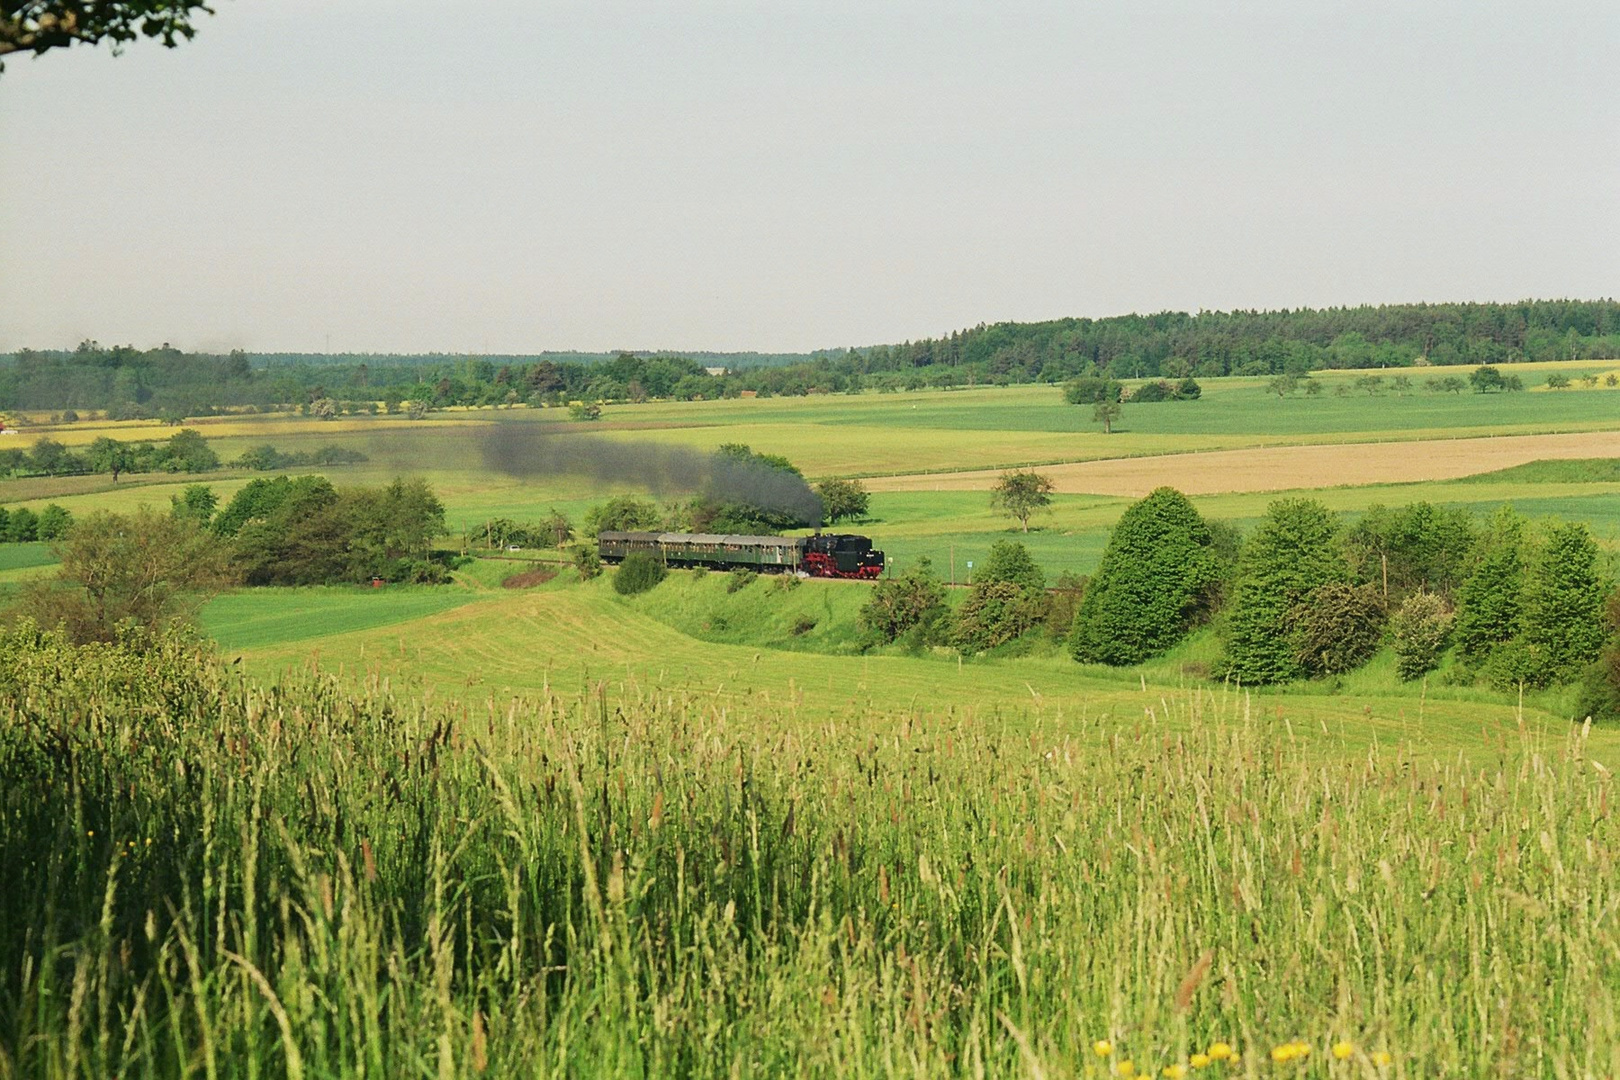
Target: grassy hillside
(691, 636)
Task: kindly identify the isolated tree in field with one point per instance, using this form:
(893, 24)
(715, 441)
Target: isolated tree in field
(37, 26)
(1564, 593)
(842, 500)
(638, 573)
(22, 526)
(1491, 599)
(144, 567)
(1105, 413)
(1152, 583)
(1294, 550)
(1486, 379)
(1020, 494)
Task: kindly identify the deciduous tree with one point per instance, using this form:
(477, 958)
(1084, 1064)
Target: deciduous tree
(1294, 550)
(1154, 578)
(1021, 493)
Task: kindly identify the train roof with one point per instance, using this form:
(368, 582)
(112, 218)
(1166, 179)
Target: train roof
(728, 539)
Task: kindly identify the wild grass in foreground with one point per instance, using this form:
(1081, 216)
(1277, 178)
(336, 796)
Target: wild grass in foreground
(210, 877)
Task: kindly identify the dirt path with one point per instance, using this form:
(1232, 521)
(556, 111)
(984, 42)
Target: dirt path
(1282, 468)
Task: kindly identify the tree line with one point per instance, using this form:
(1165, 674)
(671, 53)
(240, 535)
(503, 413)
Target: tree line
(149, 568)
(167, 383)
(186, 451)
(1514, 603)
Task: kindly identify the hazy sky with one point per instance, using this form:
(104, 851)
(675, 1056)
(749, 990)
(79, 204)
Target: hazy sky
(514, 175)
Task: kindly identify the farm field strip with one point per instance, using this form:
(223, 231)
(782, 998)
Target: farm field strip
(1282, 468)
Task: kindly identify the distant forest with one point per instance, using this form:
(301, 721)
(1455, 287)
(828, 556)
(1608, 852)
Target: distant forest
(164, 382)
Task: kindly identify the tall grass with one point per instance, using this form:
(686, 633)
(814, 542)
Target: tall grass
(214, 878)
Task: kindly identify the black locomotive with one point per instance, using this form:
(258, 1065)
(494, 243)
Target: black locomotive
(833, 555)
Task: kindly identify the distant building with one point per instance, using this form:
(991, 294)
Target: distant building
(715, 371)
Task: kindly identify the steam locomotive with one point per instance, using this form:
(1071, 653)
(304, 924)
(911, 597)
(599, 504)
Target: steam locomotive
(832, 555)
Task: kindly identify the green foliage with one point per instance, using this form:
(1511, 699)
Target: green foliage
(1010, 561)
(1418, 630)
(22, 526)
(842, 500)
(1294, 550)
(1336, 628)
(1153, 582)
(1487, 379)
(1106, 413)
(42, 25)
(1491, 599)
(739, 580)
(1564, 594)
(996, 612)
(144, 568)
(587, 562)
(54, 523)
(638, 573)
(265, 458)
(305, 532)
(622, 513)
(1020, 494)
(1414, 548)
(195, 501)
(1091, 390)
(585, 411)
(901, 605)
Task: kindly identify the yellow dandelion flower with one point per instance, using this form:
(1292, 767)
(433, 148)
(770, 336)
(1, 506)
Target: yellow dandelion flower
(1219, 1051)
(90, 832)
(1282, 1053)
(1342, 1050)
(1301, 1050)
(1381, 1057)
(1174, 1072)
(1126, 1068)
(1201, 1061)
(1102, 1047)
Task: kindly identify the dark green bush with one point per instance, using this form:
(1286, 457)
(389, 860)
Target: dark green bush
(740, 580)
(587, 562)
(638, 574)
(1336, 628)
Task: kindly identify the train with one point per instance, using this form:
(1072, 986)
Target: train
(825, 555)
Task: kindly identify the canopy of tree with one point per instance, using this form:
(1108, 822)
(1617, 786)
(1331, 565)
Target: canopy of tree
(1156, 577)
(38, 26)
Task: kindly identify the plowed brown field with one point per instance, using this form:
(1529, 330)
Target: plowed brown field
(1282, 468)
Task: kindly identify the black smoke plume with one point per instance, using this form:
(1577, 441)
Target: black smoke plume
(519, 450)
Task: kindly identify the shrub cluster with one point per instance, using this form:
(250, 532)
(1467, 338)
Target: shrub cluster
(638, 573)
